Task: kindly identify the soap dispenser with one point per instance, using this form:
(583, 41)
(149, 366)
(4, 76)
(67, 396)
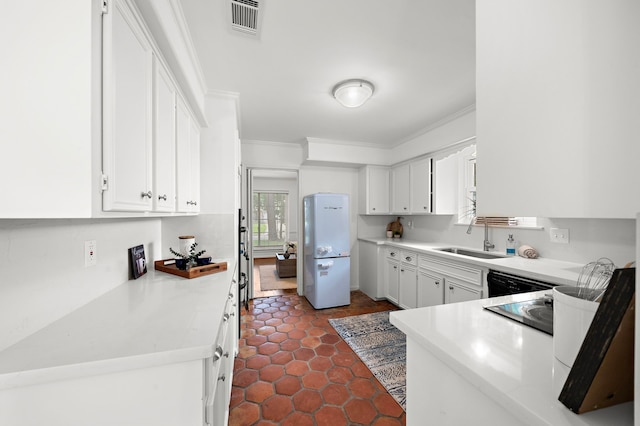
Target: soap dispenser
(511, 246)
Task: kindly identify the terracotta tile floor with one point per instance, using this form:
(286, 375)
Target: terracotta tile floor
(294, 369)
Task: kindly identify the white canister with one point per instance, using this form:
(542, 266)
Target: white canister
(186, 241)
(572, 316)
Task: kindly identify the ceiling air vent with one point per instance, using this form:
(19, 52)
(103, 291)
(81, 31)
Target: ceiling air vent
(245, 16)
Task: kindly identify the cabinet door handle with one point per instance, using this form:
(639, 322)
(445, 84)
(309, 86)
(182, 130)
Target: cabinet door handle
(437, 283)
(218, 353)
(374, 209)
(451, 287)
(404, 208)
(424, 207)
(162, 197)
(226, 317)
(408, 258)
(223, 378)
(148, 194)
(401, 270)
(395, 267)
(392, 254)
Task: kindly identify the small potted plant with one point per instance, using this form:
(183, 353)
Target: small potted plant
(186, 261)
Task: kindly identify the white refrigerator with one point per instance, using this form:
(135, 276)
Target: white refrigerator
(326, 247)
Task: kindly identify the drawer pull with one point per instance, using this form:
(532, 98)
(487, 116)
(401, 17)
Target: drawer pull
(223, 378)
(148, 194)
(408, 259)
(437, 283)
(162, 197)
(226, 317)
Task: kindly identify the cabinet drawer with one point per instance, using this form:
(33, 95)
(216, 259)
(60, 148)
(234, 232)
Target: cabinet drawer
(393, 253)
(460, 271)
(409, 257)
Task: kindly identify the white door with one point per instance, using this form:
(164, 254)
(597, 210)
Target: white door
(127, 127)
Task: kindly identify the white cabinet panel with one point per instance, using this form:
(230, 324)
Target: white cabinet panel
(393, 280)
(407, 297)
(401, 189)
(372, 262)
(127, 133)
(570, 149)
(420, 180)
(456, 292)
(430, 289)
(187, 160)
(164, 140)
(374, 190)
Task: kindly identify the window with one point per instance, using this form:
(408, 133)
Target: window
(269, 217)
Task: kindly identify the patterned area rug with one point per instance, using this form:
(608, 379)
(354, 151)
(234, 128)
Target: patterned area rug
(381, 346)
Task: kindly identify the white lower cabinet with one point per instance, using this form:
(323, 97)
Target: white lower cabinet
(408, 287)
(392, 283)
(457, 292)
(430, 289)
(442, 281)
(372, 263)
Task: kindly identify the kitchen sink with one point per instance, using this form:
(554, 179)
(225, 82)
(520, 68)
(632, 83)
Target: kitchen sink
(471, 253)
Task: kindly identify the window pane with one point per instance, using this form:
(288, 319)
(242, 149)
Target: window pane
(269, 217)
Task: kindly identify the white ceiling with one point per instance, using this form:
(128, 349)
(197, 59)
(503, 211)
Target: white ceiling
(419, 54)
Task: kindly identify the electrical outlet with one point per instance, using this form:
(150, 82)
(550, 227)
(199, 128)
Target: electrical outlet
(559, 235)
(90, 253)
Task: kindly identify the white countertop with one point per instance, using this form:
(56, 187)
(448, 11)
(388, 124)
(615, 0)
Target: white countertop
(157, 319)
(511, 363)
(549, 270)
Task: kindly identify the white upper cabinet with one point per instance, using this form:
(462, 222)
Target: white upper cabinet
(49, 123)
(127, 111)
(400, 189)
(374, 190)
(420, 181)
(556, 109)
(164, 140)
(188, 160)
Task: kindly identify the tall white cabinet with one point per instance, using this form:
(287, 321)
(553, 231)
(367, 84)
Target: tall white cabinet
(164, 139)
(188, 160)
(127, 112)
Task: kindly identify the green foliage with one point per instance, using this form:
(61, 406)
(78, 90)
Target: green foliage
(192, 257)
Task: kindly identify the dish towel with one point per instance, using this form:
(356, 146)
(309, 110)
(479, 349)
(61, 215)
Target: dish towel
(528, 252)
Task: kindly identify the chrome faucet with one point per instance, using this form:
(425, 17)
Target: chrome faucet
(486, 244)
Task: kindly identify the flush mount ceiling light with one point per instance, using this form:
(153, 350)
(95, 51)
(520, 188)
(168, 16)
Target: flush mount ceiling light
(353, 93)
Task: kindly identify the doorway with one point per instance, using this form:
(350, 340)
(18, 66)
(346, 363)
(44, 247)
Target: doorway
(271, 202)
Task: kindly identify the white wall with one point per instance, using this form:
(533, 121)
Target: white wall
(42, 272)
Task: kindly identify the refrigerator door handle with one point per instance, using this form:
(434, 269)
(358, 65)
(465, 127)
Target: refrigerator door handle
(325, 265)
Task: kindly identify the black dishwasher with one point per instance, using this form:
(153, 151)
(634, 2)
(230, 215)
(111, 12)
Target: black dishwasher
(502, 284)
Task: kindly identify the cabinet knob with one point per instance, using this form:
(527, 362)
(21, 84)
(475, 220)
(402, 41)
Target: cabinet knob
(401, 270)
(424, 207)
(226, 317)
(392, 254)
(437, 283)
(218, 353)
(374, 209)
(451, 287)
(408, 258)
(395, 267)
(147, 194)
(222, 378)
(162, 197)
(404, 208)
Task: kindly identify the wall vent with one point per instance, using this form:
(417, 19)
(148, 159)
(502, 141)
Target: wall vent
(245, 16)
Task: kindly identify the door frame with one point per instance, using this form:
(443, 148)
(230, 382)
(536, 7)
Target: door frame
(248, 177)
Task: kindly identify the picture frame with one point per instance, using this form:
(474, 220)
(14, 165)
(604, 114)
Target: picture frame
(138, 261)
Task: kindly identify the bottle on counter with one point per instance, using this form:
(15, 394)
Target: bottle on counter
(511, 246)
